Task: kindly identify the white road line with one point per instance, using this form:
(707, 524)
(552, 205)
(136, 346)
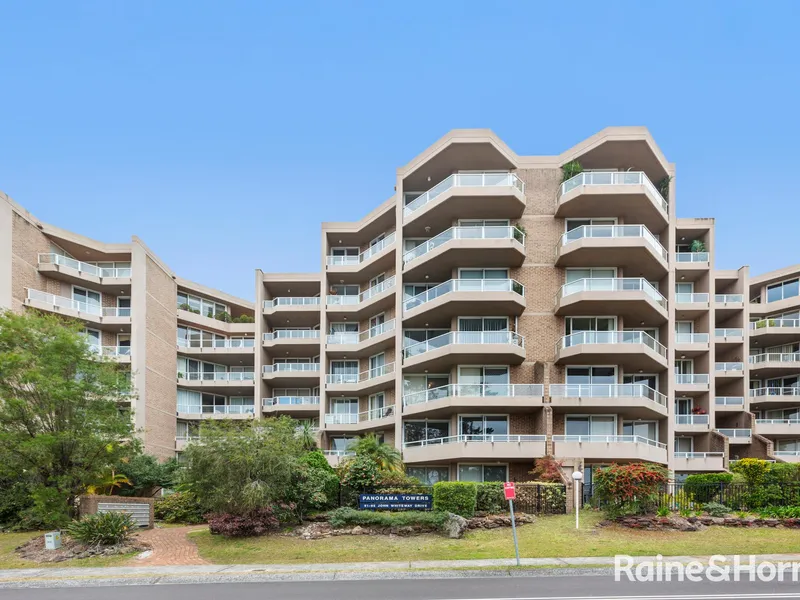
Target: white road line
(753, 596)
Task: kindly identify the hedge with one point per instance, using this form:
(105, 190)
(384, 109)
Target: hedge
(541, 497)
(457, 497)
(706, 487)
(343, 517)
(490, 497)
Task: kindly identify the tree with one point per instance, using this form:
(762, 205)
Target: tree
(61, 426)
(385, 456)
(147, 475)
(308, 437)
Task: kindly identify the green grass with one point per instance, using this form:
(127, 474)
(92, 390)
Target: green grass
(549, 537)
(10, 560)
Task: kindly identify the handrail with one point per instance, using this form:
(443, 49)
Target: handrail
(290, 400)
(475, 390)
(609, 439)
(786, 453)
(378, 288)
(691, 338)
(769, 323)
(464, 285)
(729, 400)
(292, 301)
(699, 454)
(217, 343)
(354, 337)
(615, 284)
(691, 257)
(477, 437)
(606, 390)
(111, 350)
(729, 366)
(736, 433)
(691, 298)
(611, 337)
(692, 419)
(775, 357)
(227, 409)
(615, 178)
(292, 334)
(354, 418)
(613, 231)
(366, 254)
(282, 367)
(464, 180)
(725, 332)
(349, 378)
(83, 267)
(729, 298)
(493, 232)
(464, 337)
(339, 452)
(775, 391)
(691, 378)
(795, 421)
(222, 376)
(84, 307)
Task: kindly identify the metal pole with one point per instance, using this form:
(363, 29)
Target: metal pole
(577, 504)
(514, 530)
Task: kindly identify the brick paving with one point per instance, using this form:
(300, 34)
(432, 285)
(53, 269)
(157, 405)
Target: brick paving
(170, 546)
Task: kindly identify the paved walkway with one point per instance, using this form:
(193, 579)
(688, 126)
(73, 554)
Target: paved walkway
(170, 546)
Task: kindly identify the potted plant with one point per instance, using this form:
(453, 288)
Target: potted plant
(697, 246)
(662, 185)
(570, 170)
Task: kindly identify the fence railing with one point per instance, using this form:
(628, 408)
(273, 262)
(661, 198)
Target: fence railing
(237, 376)
(729, 332)
(290, 401)
(691, 338)
(289, 367)
(692, 419)
(729, 298)
(794, 421)
(464, 180)
(729, 366)
(691, 298)
(367, 254)
(775, 391)
(776, 323)
(347, 378)
(218, 343)
(354, 337)
(735, 496)
(292, 334)
(691, 378)
(112, 351)
(464, 337)
(349, 300)
(615, 178)
(611, 337)
(736, 433)
(691, 257)
(492, 232)
(84, 307)
(782, 357)
(614, 231)
(292, 301)
(609, 439)
(467, 438)
(615, 390)
(616, 284)
(476, 390)
(237, 409)
(82, 267)
(729, 401)
(699, 454)
(355, 418)
(464, 285)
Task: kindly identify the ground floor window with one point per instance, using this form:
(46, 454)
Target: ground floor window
(429, 475)
(480, 473)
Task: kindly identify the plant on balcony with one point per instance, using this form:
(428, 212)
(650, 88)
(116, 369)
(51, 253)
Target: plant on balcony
(519, 232)
(630, 489)
(223, 316)
(697, 246)
(243, 319)
(181, 375)
(662, 185)
(697, 410)
(571, 169)
(185, 306)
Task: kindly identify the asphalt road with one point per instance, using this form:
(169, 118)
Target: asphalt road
(466, 588)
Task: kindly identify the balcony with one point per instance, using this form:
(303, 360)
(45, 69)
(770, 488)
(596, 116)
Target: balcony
(104, 279)
(767, 398)
(729, 403)
(210, 323)
(610, 448)
(475, 447)
(362, 383)
(691, 383)
(692, 344)
(294, 341)
(226, 412)
(692, 306)
(633, 350)
(377, 418)
(633, 298)
(726, 304)
(478, 247)
(120, 354)
(479, 195)
(374, 260)
(789, 456)
(729, 335)
(377, 298)
(214, 380)
(774, 364)
(474, 297)
(181, 441)
(774, 332)
(336, 457)
(365, 343)
(449, 399)
(111, 319)
(632, 247)
(306, 405)
(292, 374)
(692, 423)
(692, 261)
(628, 194)
(728, 369)
(634, 400)
(778, 427)
(737, 436)
(223, 351)
(699, 461)
(439, 354)
(304, 310)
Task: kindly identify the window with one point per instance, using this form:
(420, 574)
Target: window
(344, 327)
(344, 406)
(481, 279)
(429, 475)
(604, 273)
(576, 324)
(481, 473)
(483, 323)
(345, 290)
(483, 381)
(783, 290)
(123, 306)
(684, 288)
(575, 228)
(684, 366)
(418, 431)
(684, 406)
(645, 429)
(479, 427)
(591, 375)
(202, 306)
(591, 425)
(377, 280)
(788, 445)
(345, 251)
(377, 320)
(93, 338)
(435, 386)
(415, 289)
(414, 336)
(87, 297)
(483, 223)
(344, 371)
(124, 343)
(342, 443)
(684, 444)
(376, 365)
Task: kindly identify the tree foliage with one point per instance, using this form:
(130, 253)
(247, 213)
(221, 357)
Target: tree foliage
(629, 488)
(385, 456)
(147, 475)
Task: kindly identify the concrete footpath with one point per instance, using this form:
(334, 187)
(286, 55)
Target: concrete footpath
(433, 569)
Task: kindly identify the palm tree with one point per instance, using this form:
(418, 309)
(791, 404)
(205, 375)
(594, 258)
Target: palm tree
(387, 457)
(308, 437)
(108, 483)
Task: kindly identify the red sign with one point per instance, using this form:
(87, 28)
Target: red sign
(510, 490)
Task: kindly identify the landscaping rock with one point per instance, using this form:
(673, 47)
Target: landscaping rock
(495, 521)
(455, 526)
(34, 550)
(699, 523)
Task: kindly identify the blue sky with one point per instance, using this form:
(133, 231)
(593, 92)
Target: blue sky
(223, 133)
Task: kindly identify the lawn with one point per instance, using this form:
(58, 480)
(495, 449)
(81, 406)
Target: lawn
(549, 537)
(10, 560)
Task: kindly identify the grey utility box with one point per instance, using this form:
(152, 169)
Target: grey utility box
(52, 540)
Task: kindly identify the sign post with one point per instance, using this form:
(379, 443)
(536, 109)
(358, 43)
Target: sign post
(511, 492)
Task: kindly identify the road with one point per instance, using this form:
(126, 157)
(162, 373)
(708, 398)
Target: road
(461, 588)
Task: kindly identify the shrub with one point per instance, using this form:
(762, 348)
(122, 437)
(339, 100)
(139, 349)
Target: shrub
(544, 497)
(663, 511)
(706, 487)
(571, 169)
(146, 474)
(223, 316)
(49, 510)
(103, 529)
(260, 521)
(15, 498)
(180, 507)
(392, 482)
(490, 497)
(318, 489)
(345, 517)
(547, 469)
(243, 319)
(754, 470)
(780, 512)
(629, 489)
(458, 497)
(317, 460)
(715, 509)
(359, 473)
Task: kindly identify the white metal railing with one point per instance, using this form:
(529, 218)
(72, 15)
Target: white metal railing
(378, 288)
(691, 378)
(354, 337)
(497, 232)
(691, 338)
(770, 323)
(464, 337)
(775, 391)
(218, 343)
(729, 400)
(222, 376)
(615, 178)
(786, 453)
(290, 401)
(691, 298)
(292, 334)
(345, 378)
(464, 180)
(476, 390)
(367, 254)
(794, 421)
(113, 351)
(292, 301)
(729, 298)
(729, 366)
(611, 337)
(289, 367)
(84, 307)
(782, 357)
(606, 390)
(477, 437)
(82, 267)
(354, 418)
(616, 284)
(698, 454)
(614, 231)
(339, 452)
(736, 433)
(691, 257)
(464, 285)
(691, 420)
(609, 439)
(228, 409)
(727, 332)
(187, 438)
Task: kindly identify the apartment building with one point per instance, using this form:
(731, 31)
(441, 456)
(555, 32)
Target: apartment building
(496, 309)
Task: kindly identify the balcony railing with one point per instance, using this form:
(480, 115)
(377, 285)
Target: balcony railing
(290, 401)
(611, 390)
(727, 332)
(729, 298)
(464, 180)
(729, 366)
(611, 337)
(292, 334)
(615, 178)
(465, 233)
(691, 378)
(794, 421)
(292, 301)
(691, 338)
(367, 254)
(464, 337)
(729, 401)
(464, 285)
(775, 391)
(467, 438)
(348, 378)
(699, 454)
(84, 307)
(691, 420)
(788, 453)
(736, 433)
(227, 376)
(475, 390)
(354, 337)
(777, 323)
(608, 439)
(244, 409)
(691, 298)
(782, 357)
(82, 267)
(222, 343)
(112, 351)
(339, 453)
(617, 284)
(291, 367)
(376, 289)
(355, 418)
(614, 231)
(691, 257)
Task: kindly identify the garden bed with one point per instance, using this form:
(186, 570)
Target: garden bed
(35, 551)
(700, 523)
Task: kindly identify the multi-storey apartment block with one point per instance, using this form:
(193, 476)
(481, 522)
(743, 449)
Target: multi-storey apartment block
(496, 309)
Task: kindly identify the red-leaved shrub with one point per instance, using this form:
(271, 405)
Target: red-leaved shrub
(259, 521)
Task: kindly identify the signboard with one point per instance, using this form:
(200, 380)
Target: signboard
(509, 490)
(395, 501)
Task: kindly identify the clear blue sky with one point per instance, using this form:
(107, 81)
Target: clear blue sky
(223, 133)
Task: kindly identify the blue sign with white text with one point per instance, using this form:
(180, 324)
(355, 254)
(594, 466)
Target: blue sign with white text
(395, 501)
